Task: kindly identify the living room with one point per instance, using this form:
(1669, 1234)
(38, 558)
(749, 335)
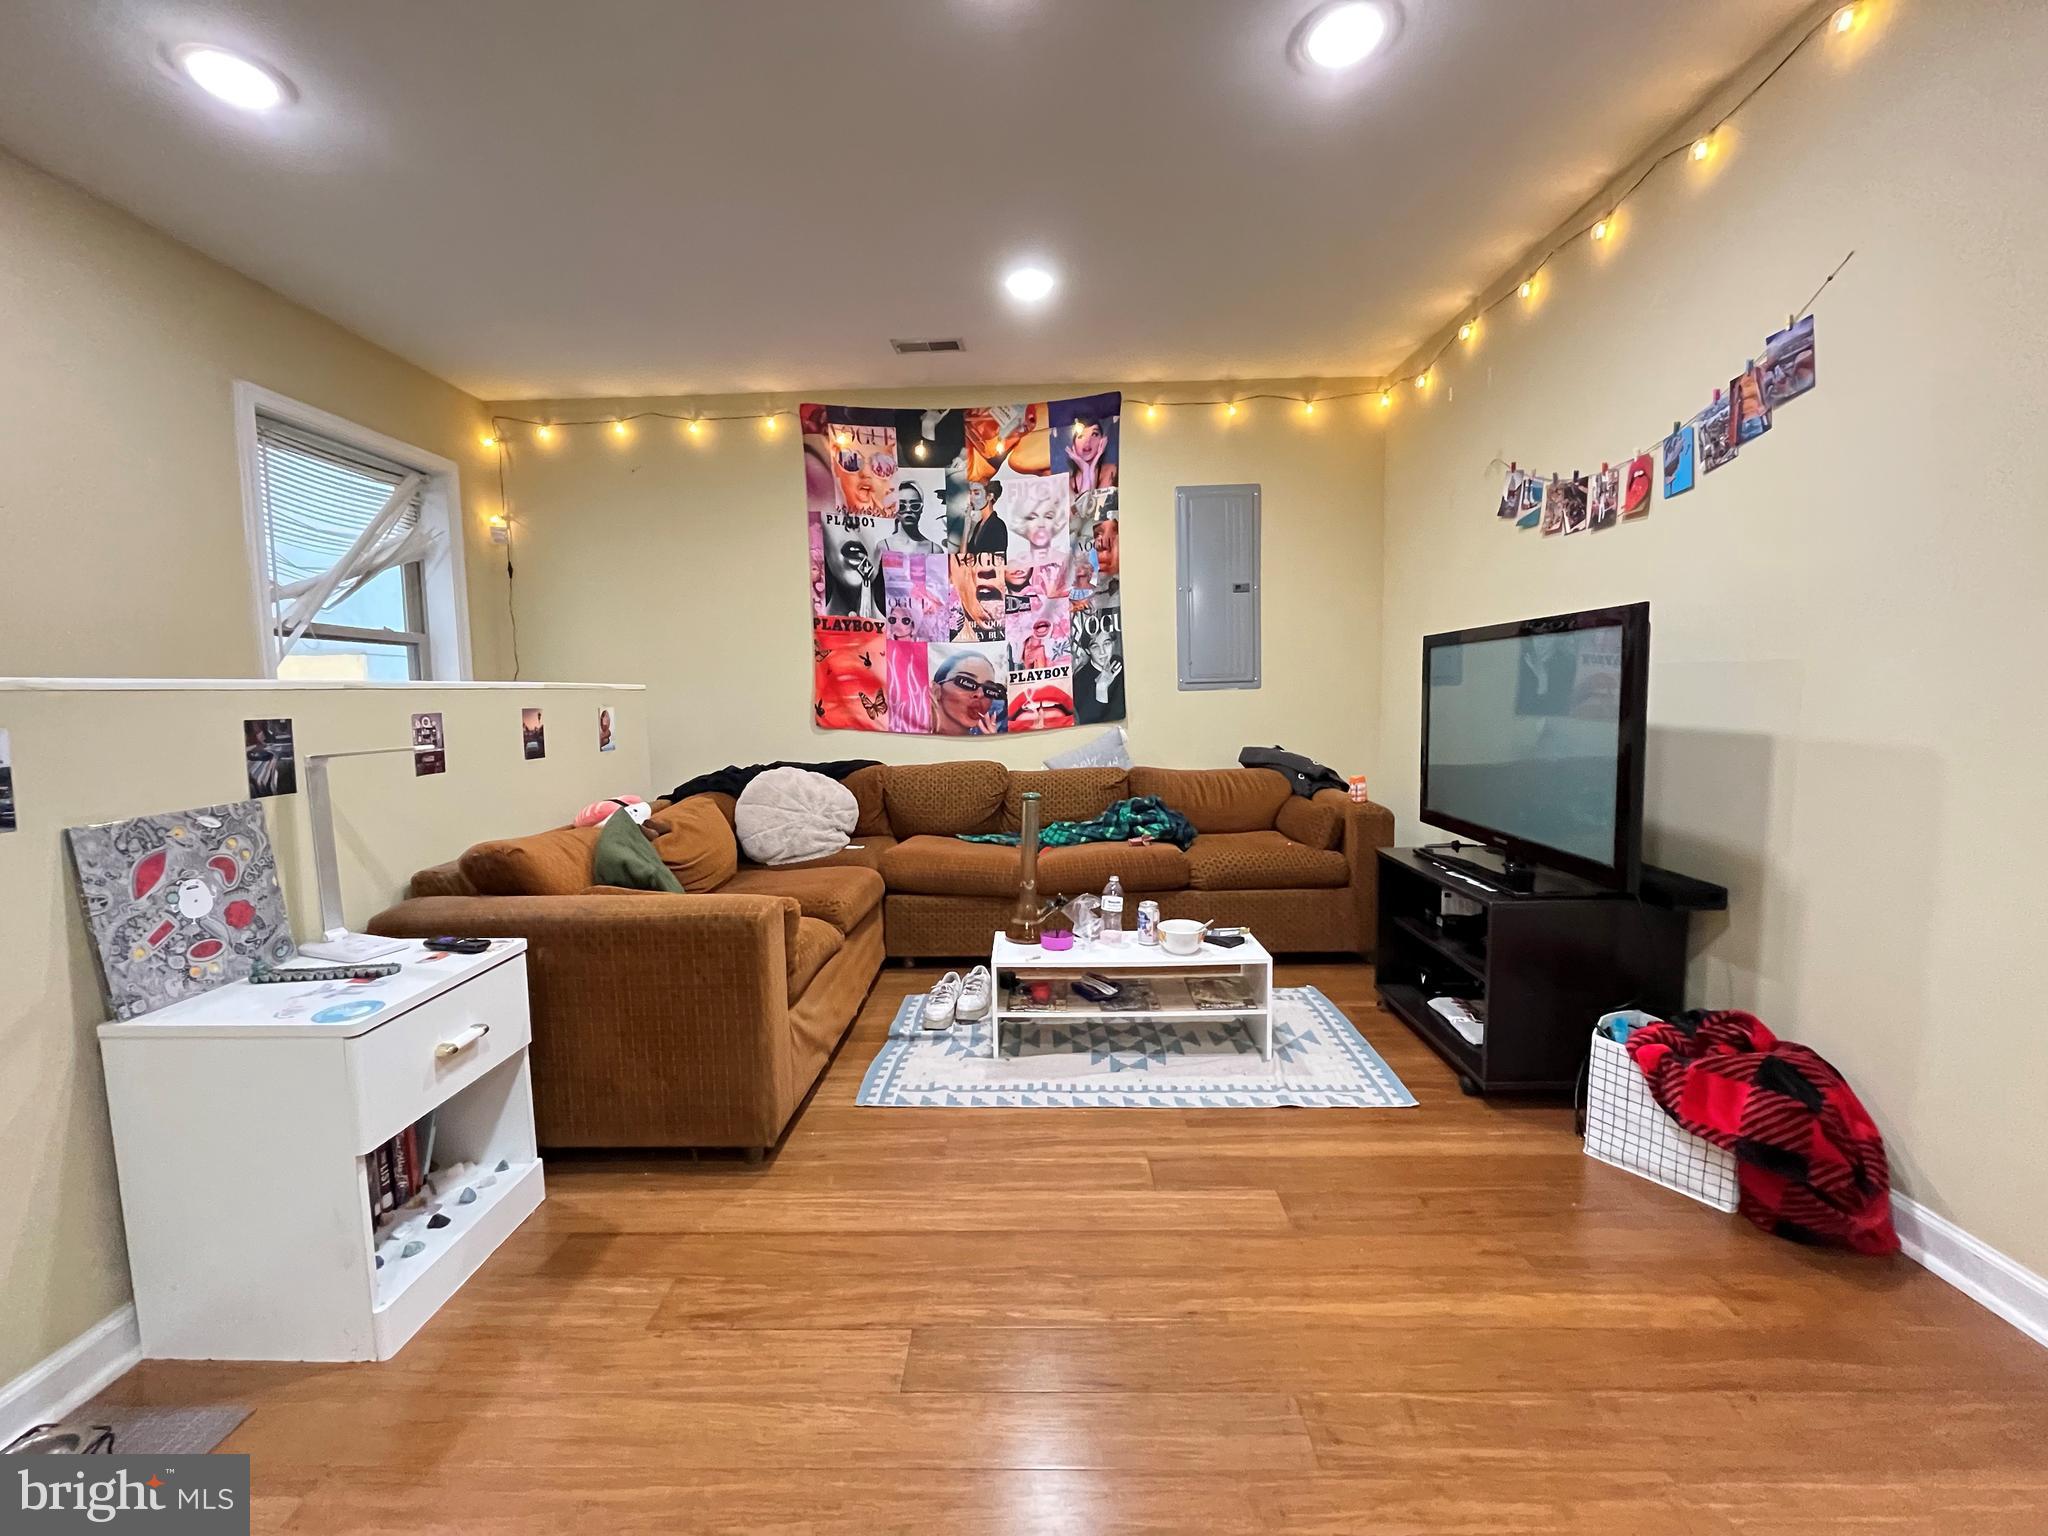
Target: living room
(438, 436)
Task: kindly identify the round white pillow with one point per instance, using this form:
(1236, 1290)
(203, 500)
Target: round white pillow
(789, 814)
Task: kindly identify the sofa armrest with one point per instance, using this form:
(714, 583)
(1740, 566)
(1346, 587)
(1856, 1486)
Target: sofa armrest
(658, 1020)
(1367, 828)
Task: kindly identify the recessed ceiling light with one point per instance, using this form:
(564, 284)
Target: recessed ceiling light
(1341, 35)
(231, 78)
(1029, 284)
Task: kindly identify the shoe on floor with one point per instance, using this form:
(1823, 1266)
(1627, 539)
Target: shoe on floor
(977, 991)
(942, 1001)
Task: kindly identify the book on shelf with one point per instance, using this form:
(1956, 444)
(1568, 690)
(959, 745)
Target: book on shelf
(1221, 993)
(1133, 997)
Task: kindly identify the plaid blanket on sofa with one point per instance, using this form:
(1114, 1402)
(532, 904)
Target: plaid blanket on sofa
(1145, 818)
(1809, 1159)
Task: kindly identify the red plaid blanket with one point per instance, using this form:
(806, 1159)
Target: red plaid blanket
(1809, 1159)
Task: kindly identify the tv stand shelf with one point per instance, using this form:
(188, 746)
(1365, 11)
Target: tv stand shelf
(1544, 963)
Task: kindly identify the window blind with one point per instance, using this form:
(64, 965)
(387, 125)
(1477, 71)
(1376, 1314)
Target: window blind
(334, 519)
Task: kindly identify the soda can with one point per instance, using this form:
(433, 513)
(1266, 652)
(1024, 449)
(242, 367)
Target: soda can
(1148, 922)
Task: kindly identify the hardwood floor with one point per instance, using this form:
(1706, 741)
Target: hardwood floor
(1444, 1319)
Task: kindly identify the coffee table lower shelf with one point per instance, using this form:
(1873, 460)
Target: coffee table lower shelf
(1168, 974)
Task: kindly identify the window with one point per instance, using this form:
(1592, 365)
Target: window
(1216, 528)
(355, 545)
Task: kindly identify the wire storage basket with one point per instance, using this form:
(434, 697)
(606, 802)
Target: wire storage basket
(1626, 1128)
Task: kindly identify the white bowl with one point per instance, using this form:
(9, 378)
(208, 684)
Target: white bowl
(1182, 936)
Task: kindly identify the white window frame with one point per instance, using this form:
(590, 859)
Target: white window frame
(444, 596)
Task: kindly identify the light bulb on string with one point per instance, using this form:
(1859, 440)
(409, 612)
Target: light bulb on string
(1845, 19)
(1600, 230)
(1702, 147)
(1528, 287)
(694, 427)
(768, 424)
(544, 433)
(1151, 413)
(1422, 380)
(919, 449)
(618, 427)
(1308, 407)
(1465, 331)
(489, 440)
(1386, 398)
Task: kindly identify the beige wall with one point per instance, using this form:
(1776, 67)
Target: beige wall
(682, 562)
(120, 495)
(1847, 726)
(85, 755)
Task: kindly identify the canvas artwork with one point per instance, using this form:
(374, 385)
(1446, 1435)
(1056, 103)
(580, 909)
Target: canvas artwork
(1788, 363)
(1603, 504)
(180, 903)
(965, 566)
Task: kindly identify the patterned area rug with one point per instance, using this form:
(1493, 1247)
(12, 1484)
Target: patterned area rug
(1320, 1061)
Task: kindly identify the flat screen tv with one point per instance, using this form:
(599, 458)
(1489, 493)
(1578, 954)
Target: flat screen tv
(1532, 741)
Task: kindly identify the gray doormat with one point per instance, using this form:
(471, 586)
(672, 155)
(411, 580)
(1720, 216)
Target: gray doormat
(131, 1429)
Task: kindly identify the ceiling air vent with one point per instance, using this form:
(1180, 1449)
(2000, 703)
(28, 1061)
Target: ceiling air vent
(945, 344)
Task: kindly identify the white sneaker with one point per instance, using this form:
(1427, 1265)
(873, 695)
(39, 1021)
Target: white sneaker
(941, 1002)
(976, 994)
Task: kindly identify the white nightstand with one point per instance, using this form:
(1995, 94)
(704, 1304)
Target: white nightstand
(241, 1124)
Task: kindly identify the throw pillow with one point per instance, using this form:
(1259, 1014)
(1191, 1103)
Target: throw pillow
(787, 815)
(625, 858)
(695, 841)
(1112, 749)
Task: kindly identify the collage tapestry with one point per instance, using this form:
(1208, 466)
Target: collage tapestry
(965, 567)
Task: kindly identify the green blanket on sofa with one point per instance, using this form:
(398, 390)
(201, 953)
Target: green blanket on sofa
(1145, 818)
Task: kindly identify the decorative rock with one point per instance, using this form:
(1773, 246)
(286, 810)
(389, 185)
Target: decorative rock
(412, 1248)
(503, 1166)
(437, 1221)
(467, 1197)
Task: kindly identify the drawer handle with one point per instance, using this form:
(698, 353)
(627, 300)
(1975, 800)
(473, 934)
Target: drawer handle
(461, 1042)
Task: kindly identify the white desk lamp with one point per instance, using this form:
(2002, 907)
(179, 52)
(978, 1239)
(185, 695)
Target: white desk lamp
(336, 942)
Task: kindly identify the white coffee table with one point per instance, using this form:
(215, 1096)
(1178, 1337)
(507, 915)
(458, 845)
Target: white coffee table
(1169, 975)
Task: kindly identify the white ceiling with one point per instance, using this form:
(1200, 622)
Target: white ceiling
(603, 197)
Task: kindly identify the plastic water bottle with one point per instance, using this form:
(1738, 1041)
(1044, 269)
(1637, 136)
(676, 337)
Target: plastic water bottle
(1113, 911)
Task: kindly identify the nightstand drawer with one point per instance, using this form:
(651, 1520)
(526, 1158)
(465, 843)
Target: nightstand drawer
(400, 1070)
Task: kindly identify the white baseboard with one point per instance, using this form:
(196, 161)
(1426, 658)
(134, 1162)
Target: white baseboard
(76, 1373)
(1995, 1282)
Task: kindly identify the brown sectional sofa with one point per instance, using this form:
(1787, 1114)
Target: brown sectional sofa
(703, 1019)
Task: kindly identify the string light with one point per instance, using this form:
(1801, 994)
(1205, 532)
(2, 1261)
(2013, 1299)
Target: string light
(1465, 331)
(1600, 230)
(488, 440)
(695, 427)
(1230, 409)
(1151, 413)
(768, 424)
(1386, 398)
(1701, 148)
(919, 449)
(1845, 18)
(618, 428)
(1422, 379)
(1528, 287)
(1308, 407)
(543, 432)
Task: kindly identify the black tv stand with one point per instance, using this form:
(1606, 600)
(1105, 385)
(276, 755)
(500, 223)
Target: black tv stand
(1544, 963)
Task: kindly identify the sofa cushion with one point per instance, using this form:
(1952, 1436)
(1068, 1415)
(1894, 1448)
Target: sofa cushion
(816, 942)
(787, 815)
(1064, 794)
(624, 857)
(1313, 821)
(1261, 861)
(441, 880)
(551, 863)
(945, 866)
(862, 853)
(696, 842)
(841, 897)
(866, 784)
(937, 799)
(1218, 799)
